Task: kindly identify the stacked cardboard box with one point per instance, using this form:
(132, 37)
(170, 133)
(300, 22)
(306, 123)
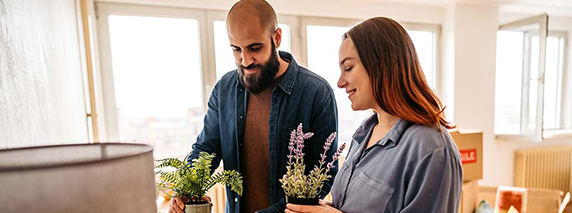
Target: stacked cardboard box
(470, 144)
(539, 200)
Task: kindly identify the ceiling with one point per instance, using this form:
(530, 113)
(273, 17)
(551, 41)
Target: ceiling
(552, 7)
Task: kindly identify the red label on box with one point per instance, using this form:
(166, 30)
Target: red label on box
(468, 156)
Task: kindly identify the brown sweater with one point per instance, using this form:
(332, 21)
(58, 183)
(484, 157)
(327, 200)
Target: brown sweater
(254, 156)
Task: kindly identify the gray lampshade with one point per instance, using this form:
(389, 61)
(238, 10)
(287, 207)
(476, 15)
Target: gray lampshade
(104, 177)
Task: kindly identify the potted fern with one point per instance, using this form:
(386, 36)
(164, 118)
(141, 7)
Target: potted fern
(193, 181)
(303, 188)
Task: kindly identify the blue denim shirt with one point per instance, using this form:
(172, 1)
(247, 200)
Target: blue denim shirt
(414, 168)
(301, 96)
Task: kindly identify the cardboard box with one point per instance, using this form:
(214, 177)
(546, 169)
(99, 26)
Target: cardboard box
(469, 196)
(539, 200)
(566, 206)
(470, 144)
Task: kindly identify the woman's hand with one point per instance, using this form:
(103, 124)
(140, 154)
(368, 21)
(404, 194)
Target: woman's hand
(324, 207)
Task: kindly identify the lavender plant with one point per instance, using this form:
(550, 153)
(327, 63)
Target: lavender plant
(297, 184)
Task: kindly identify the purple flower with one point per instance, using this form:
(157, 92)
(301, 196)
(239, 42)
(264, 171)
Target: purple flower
(331, 164)
(330, 139)
(339, 152)
(296, 146)
(291, 145)
(342, 147)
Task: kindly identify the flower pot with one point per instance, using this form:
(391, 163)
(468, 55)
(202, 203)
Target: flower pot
(302, 201)
(198, 208)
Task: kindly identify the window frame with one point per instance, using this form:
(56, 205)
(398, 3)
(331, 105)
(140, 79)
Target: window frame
(342, 22)
(564, 129)
(538, 132)
(104, 10)
(205, 19)
(565, 112)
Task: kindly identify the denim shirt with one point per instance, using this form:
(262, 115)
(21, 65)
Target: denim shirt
(301, 96)
(414, 168)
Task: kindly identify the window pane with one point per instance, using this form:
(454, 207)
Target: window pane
(223, 53)
(553, 82)
(532, 85)
(157, 77)
(424, 42)
(323, 47)
(517, 82)
(508, 84)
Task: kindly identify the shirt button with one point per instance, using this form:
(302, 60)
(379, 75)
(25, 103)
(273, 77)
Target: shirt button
(235, 200)
(241, 117)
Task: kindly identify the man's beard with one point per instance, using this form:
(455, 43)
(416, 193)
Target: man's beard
(258, 82)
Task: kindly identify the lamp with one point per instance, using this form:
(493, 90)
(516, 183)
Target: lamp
(102, 177)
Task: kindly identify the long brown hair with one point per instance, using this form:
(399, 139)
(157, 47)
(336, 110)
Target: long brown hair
(398, 82)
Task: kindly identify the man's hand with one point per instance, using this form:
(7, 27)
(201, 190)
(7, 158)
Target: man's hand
(324, 207)
(177, 204)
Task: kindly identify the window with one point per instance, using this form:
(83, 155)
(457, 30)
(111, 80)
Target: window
(323, 39)
(529, 94)
(425, 42)
(554, 81)
(159, 64)
(153, 84)
(323, 44)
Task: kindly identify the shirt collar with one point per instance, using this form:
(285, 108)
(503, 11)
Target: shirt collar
(289, 78)
(392, 137)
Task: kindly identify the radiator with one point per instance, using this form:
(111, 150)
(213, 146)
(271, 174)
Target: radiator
(544, 168)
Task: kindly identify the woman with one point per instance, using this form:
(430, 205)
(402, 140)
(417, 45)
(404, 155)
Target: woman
(402, 159)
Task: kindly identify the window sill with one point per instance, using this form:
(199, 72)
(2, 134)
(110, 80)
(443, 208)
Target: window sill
(548, 136)
(560, 133)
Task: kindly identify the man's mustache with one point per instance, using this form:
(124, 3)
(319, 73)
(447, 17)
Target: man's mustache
(251, 66)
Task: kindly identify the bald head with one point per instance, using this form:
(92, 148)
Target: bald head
(245, 11)
(254, 38)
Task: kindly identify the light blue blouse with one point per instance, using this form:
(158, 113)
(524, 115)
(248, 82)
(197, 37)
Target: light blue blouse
(413, 169)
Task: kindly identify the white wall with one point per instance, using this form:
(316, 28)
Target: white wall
(41, 92)
(474, 29)
(322, 8)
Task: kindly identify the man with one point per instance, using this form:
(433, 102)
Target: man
(253, 109)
